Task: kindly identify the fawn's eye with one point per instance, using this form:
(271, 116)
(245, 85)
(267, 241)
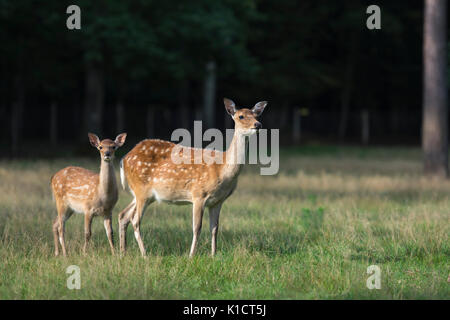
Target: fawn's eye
(100, 147)
(241, 117)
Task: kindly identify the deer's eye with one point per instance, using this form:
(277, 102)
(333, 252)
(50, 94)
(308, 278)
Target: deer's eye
(100, 147)
(241, 117)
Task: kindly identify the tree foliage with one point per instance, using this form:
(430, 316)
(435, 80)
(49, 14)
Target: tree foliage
(293, 53)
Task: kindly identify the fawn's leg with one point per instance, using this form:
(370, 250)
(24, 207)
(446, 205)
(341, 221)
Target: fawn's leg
(197, 216)
(109, 231)
(214, 226)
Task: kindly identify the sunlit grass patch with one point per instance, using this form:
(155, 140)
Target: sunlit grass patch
(309, 232)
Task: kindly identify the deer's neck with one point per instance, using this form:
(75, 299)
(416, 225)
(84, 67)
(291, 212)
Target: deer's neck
(107, 187)
(234, 157)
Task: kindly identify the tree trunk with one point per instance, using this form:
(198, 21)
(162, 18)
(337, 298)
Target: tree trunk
(434, 122)
(296, 125)
(183, 104)
(120, 117)
(284, 115)
(150, 121)
(17, 113)
(94, 98)
(365, 127)
(53, 123)
(346, 93)
(209, 95)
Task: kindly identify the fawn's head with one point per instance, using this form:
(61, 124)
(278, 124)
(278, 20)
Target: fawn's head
(245, 120)
(107, 147)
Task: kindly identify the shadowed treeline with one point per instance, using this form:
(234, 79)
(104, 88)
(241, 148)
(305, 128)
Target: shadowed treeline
(149, 67)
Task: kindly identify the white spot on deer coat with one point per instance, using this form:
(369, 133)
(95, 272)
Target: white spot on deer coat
(81, 187)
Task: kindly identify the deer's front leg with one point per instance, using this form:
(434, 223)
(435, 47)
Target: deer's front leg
(214, 226)
(197, 216)
(87, 230)
(109, 231)
(136, 222)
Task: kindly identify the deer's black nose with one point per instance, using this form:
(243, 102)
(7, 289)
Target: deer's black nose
(258, 125)
(108, 154)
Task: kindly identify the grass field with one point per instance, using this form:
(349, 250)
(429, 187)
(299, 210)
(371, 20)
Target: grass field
(309, 232)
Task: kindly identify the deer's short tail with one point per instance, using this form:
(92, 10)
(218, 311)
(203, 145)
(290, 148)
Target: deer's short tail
(123, 178)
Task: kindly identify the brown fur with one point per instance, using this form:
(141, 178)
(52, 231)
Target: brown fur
(80, 190)
(152, 176)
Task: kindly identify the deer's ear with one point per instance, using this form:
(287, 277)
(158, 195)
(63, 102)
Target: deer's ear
(259, 108)
(229, 106)
(120, 139)
(94, 140)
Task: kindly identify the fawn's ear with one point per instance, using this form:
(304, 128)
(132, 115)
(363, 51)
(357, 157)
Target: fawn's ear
(120, 139)
(229, 106)
(259, 108)
(94, 140)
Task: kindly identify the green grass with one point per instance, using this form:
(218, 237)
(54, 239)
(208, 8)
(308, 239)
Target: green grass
(309, 232)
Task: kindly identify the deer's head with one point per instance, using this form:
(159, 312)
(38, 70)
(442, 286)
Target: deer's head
(245, 120)
(107, 147)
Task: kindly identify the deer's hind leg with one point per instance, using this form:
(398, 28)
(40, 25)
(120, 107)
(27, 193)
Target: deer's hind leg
(56, 235)
(124, 219)
(64, 213)
(141, 205)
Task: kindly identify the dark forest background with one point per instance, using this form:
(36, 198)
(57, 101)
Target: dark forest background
(149, 67)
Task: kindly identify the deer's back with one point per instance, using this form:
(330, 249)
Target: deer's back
(150, 171)
(75, 184)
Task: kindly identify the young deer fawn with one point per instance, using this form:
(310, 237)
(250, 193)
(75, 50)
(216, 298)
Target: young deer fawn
(79, 190)
(151, 174)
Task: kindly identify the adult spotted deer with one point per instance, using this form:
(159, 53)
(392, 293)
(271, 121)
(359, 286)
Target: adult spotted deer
(80, 190)
(151, 174)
